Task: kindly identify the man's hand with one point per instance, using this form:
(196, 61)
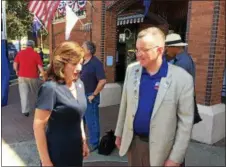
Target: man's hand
(90, 98)
(118, 142)
(171, 163)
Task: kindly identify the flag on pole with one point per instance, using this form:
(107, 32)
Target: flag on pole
(5, 72)
(147, 4)
(44, 10)
(71, 20)
(36, 26)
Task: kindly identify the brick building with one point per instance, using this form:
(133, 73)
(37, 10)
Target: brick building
(113, 27)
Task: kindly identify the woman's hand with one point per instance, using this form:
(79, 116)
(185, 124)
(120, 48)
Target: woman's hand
(85, 149)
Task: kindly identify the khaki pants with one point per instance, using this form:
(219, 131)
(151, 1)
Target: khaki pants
(28, 88)
(138, 154)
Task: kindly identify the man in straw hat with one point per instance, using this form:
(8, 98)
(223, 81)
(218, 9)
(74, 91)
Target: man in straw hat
(156, 112)
(175, 52)
(179, 57)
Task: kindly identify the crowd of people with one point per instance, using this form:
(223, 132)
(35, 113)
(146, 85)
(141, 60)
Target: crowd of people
(157, 110)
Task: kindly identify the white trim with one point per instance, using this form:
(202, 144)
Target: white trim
(212, 128)
(110, 95)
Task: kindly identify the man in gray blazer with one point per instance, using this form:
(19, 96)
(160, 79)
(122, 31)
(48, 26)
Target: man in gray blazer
(157, 107)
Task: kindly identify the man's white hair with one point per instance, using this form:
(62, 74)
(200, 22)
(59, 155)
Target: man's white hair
(155, 33)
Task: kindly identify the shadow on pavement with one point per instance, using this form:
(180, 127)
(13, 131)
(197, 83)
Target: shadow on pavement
(17, 131)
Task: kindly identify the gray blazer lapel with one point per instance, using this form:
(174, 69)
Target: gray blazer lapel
(163, 87)
(136, 82)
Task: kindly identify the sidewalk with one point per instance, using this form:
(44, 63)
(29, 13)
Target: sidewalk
(19, 149)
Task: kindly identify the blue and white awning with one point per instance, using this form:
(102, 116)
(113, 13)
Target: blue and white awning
(131, 19)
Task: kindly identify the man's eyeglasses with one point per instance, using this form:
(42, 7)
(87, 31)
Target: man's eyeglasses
(144, 50)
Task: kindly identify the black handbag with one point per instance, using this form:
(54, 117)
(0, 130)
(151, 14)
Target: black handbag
(107, 143)
(197, 117)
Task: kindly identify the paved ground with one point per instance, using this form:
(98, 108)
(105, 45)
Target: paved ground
(19, 149)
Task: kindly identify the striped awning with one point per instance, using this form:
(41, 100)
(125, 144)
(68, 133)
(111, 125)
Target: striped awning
(131, 19)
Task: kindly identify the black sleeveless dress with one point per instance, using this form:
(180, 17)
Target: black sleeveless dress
(64, 137)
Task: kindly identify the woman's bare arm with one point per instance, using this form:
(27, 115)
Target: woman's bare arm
(40, 120)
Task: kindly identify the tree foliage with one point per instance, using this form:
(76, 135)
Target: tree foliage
(18, 19)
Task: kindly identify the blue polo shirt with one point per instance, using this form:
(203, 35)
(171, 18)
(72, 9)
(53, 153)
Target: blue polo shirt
(185, 61)
(149, 85)
(91, 73)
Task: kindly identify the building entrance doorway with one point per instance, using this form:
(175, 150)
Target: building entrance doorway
(126, 41)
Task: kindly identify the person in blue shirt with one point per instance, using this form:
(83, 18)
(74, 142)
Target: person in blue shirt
(156, 112)
(41, 54)
(176, 54)
(93, 77)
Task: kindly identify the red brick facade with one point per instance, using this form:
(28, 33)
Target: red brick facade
(206, 43)
(205, 36)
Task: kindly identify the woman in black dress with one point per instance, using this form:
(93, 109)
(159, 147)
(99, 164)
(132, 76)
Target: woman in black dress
(58, 125)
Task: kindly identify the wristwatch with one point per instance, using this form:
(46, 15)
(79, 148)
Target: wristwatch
(94, 95)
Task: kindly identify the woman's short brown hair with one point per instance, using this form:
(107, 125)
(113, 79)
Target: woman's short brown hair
(66, 52)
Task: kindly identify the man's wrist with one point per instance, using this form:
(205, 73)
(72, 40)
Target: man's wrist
(94, 95)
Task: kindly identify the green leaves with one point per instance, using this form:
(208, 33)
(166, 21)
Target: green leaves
(18, 19)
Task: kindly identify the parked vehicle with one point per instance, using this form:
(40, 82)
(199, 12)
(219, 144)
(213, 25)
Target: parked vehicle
(12, 52)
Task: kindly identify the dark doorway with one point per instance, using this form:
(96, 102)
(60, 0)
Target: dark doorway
(126, 40)
(120, 62)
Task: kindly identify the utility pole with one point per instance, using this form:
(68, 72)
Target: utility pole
(4, 32)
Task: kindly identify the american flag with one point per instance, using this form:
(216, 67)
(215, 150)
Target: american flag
(44, 10)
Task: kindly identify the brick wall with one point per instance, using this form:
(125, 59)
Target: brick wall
(110, 35)
(57, 31)
(96, 27)
(206, 44)
(76, 34)
(110, 42)
(201, 14)
(218, 61)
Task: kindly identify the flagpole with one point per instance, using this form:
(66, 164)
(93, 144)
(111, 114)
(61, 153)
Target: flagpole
(92, 5)
(40, 23)
(80, 21)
